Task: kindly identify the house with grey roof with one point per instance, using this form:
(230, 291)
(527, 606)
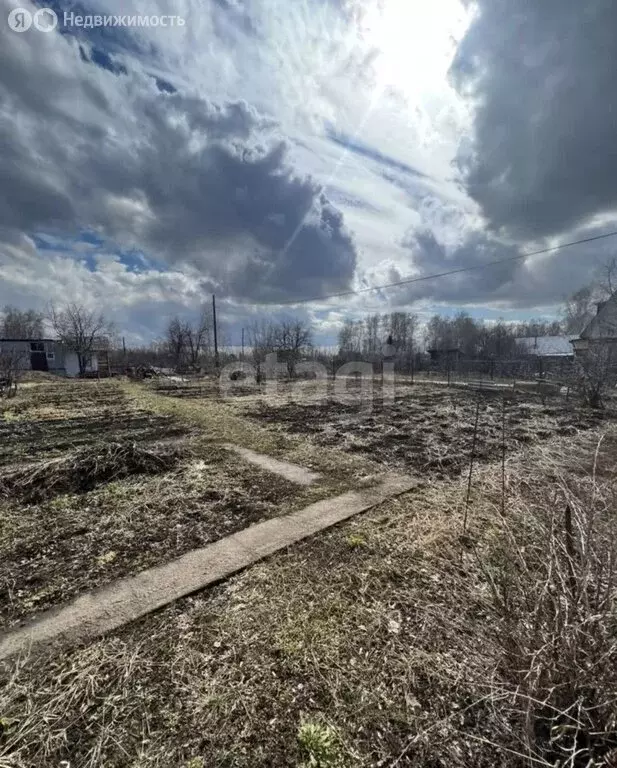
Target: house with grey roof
(557, 347)
(601, 331)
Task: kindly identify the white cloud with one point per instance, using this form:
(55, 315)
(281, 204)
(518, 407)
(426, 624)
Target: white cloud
(217, 182)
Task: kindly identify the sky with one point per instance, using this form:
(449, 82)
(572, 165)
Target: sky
(270, 151)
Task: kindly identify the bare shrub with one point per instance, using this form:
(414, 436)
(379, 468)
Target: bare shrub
(553, 579)
(12, 366)
(597, 372)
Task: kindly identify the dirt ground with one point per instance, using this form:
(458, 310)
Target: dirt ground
(57, 541)
(428, 429)
(404, 637)
(377, 643)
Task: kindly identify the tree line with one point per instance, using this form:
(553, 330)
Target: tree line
(189, 344)
(405, 336)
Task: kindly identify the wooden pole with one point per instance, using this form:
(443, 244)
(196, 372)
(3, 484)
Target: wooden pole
(242, 344)
(216, 343)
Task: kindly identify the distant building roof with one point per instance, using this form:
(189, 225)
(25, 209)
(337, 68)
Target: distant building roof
(546, 346)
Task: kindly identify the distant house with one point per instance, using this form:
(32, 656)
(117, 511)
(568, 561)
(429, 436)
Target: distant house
(601, 329)
(547, 347)
(46, 355)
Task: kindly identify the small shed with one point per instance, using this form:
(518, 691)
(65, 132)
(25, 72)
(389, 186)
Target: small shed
(46, 355)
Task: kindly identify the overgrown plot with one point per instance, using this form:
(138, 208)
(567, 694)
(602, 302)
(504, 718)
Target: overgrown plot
(81, 506)
(429, 430)
(48, 420)
(381, 642)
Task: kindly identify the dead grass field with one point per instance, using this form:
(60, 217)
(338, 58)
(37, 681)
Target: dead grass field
(427, 429)
(391, 640)
(94, 486)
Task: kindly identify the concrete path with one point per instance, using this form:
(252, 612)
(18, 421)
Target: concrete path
(292, 472)
(127, 599)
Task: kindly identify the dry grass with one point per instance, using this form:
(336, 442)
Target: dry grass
(223, 420)
(392, 640)
(117, 489)
(428, 430)
(87, 468)
(389, 641)
(552, 574)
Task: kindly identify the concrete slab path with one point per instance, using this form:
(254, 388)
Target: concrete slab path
(293, 472)
(127, 599)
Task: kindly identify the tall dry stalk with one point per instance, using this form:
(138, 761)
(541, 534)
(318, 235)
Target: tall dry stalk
(554, 580)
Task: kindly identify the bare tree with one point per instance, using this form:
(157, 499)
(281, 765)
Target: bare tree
(581, 306)
(80, 330)
(597, 372)
(372, 336)
(13, 362)
(199, 336)
(579, 309)
(261, 341)
(187, 342)
(402, 326)
(292, 339)
(350, 338)
(608, 277)
(176, 339)
(21, 324)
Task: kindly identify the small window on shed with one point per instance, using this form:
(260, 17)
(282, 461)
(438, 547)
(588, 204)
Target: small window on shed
(50, 355)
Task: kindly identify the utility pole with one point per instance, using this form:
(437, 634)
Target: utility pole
(242, 358)
(216, 343)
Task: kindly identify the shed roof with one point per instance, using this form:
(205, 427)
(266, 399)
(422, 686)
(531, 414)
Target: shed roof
(546, 346)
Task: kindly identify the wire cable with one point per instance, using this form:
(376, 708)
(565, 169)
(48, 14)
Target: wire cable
(437, 275)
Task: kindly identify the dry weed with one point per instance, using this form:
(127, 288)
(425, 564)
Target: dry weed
(83, 470)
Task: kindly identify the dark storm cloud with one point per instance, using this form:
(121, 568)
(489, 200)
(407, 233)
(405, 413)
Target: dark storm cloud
(542, 72)
(185, 179)
(430, 256)
(542, 280)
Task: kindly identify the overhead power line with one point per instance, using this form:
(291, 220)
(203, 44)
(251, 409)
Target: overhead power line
(437, 275)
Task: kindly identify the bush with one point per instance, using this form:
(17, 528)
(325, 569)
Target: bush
(553, 578)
